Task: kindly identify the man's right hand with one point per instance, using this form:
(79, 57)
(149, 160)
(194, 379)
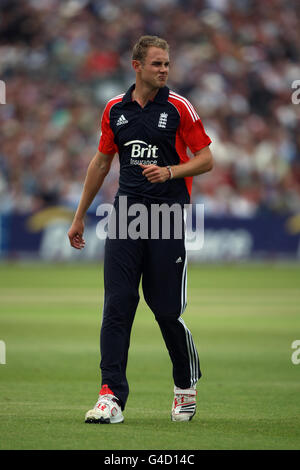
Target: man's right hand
(75, 234)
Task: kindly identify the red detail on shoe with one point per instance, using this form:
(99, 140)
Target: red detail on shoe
(182, 402)
(105, 390)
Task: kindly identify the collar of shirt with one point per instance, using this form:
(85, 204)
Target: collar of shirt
(161, 96)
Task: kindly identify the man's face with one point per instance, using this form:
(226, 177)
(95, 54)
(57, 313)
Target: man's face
(155, 69)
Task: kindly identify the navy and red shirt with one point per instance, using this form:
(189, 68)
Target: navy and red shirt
(158, 134)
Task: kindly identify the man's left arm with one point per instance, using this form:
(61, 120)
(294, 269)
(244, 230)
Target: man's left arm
(201, 163)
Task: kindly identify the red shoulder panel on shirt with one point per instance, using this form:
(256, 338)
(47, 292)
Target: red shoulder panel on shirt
(183, 106)
(112, 102)
(106, 143)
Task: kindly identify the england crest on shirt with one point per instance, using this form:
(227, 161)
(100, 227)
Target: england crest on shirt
(162, 122)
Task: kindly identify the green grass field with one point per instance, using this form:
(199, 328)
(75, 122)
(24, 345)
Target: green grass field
(244, 319)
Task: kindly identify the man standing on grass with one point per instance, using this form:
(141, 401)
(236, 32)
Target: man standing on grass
(150, 127)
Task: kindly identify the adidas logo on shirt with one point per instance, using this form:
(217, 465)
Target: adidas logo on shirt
(122, 120)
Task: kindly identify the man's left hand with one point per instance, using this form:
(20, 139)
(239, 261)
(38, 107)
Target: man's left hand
(155, 174)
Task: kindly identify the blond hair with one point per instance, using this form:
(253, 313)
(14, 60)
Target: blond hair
(140, 49)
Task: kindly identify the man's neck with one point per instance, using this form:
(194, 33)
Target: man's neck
(143, 94)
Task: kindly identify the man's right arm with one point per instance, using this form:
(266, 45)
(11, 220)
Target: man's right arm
(96, 172)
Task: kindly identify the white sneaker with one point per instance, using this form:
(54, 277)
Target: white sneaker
(107, 409)
(184, 404)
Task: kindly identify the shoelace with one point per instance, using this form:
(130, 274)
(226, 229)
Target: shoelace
(109, 400)
(184, 398)
(104, 399)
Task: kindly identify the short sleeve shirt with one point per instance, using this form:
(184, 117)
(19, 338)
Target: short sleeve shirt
(158, 134)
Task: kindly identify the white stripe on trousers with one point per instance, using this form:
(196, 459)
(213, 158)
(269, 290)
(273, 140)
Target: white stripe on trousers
(192, 352)
(193, 355)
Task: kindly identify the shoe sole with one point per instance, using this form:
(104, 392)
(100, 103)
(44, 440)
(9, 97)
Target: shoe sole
(183, 420)
(102, 421)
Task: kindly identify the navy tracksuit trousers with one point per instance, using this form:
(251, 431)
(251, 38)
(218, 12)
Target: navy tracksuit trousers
(161, 264)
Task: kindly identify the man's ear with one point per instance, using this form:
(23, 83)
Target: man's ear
(137, 65)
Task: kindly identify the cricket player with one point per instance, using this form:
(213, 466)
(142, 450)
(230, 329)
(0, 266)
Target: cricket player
(150, 127)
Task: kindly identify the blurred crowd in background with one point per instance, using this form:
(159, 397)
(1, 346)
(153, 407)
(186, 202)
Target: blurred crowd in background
(235, 60)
